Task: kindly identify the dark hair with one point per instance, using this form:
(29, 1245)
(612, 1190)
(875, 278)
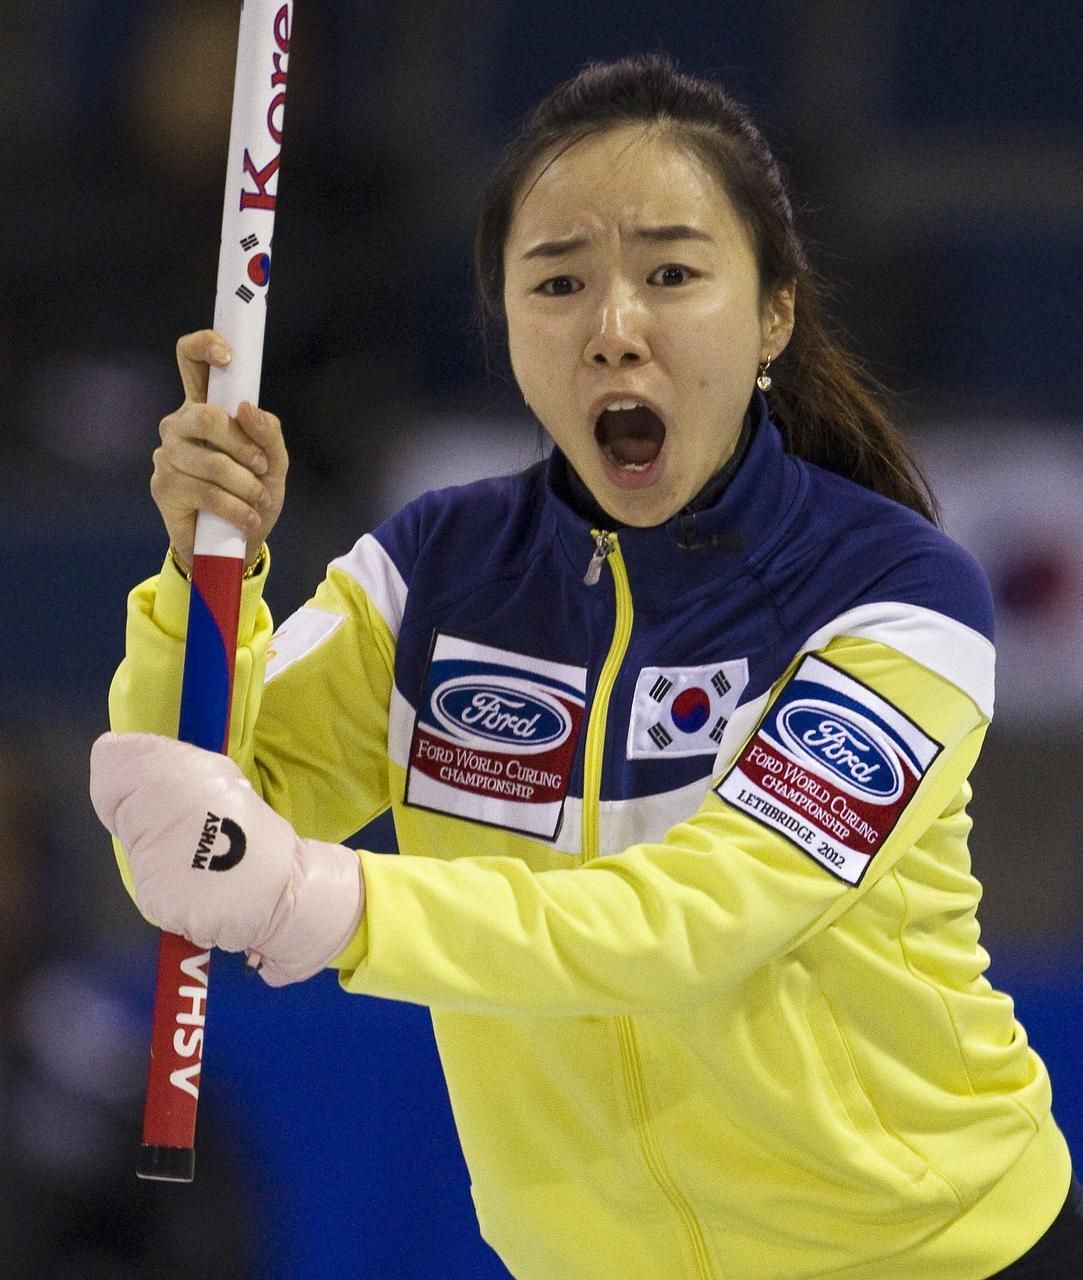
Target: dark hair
(830, 410)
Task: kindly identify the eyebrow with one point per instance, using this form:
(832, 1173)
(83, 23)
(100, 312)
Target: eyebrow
(655, 235)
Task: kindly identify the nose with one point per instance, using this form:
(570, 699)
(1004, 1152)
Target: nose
(618, 337)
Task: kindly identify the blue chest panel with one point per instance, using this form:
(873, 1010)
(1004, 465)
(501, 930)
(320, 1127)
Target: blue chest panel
(786, 549)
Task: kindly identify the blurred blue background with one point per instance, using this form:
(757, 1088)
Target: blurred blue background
(936, 157)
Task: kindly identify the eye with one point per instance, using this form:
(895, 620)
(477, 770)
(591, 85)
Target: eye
(672, 274)
(559, 286)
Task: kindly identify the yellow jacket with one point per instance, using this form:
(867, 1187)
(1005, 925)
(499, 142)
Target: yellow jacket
(684, 874)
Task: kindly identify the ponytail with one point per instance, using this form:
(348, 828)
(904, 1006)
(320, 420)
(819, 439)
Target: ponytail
(833, 412)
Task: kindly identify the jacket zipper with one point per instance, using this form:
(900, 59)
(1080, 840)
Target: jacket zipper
(604, 544)
(606, 548)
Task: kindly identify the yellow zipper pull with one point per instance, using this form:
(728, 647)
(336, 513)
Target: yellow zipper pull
(603, 547)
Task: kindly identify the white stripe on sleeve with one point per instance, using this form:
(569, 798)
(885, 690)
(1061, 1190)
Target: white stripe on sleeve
(951, 650)
(369, 565)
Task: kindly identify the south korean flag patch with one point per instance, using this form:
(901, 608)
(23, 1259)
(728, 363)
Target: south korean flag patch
(831, 768)
(684, 711)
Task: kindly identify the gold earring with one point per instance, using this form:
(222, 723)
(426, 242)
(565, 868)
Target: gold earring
(763, 381)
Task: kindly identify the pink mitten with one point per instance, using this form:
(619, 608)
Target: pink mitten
(212, 861)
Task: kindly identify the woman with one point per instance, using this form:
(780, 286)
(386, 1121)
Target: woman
(676, 728)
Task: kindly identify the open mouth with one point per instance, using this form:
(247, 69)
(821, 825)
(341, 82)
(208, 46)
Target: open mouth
(630, 435)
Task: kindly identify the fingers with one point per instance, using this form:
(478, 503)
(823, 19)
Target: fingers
(233, 467)
(211, 426)
(196, 352)
(266, 431)
(190, 477)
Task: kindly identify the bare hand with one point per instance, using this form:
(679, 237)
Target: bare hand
(208, 461)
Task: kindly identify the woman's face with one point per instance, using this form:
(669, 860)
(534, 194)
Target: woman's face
(635, 321)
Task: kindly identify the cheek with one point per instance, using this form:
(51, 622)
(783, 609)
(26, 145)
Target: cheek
(522, 339)
(521, 364)
(721, 347)
(532, 348)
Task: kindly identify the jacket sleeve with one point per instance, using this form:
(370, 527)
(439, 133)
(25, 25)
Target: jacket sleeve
(318, 751)
(659, 926)
(306, 700)
(145, 694)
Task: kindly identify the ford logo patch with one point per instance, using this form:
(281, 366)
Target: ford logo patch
(512, 714)
(851, 749)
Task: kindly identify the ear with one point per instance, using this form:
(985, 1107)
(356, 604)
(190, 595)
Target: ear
(776, 321)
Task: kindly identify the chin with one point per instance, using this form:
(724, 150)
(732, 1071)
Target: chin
(644, 520)
(641, 512)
